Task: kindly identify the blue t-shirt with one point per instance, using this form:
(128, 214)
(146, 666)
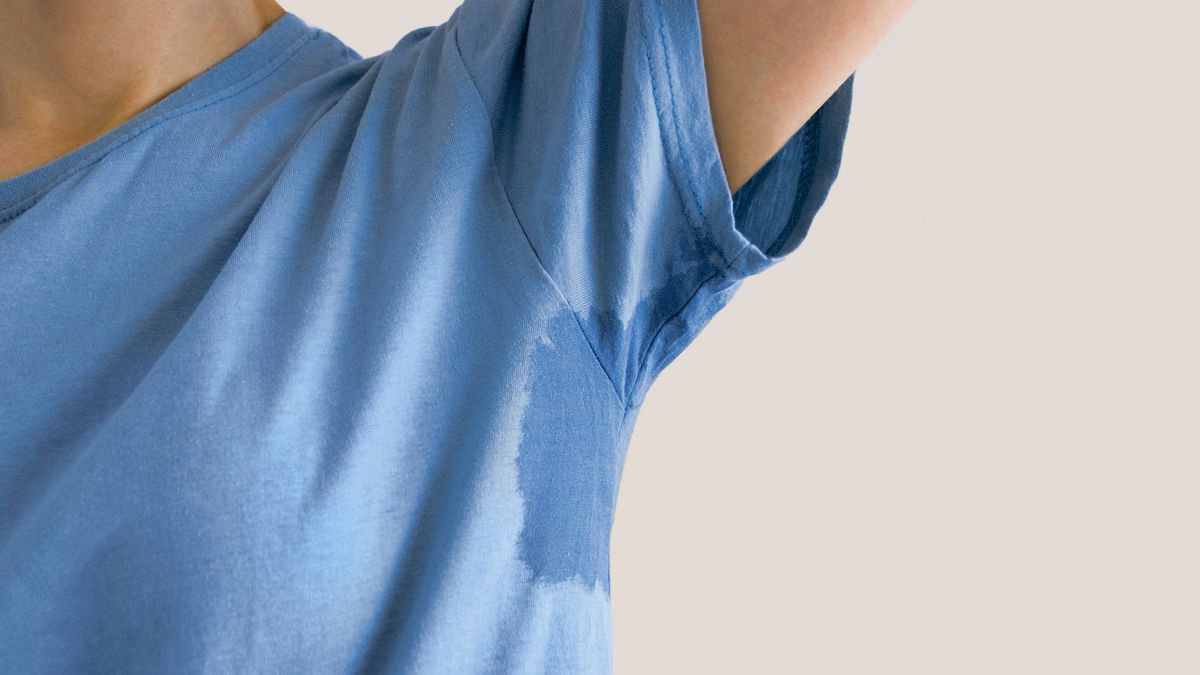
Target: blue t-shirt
(328, 364)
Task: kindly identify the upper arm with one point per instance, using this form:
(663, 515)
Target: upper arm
(772, 63)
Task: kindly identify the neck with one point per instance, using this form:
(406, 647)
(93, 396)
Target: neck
(70, 70)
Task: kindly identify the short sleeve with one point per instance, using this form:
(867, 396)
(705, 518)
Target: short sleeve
(604, 143)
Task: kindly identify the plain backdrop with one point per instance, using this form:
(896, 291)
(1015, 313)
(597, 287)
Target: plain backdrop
(958, 430)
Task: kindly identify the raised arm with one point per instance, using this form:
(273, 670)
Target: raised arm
(772, 63)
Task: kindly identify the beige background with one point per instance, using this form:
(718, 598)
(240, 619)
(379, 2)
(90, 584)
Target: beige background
(958, 430)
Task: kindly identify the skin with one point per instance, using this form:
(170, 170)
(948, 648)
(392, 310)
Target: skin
(770, 64)
(70, 70)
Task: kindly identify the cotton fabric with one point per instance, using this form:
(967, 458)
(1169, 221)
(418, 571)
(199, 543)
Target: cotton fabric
(329, 364)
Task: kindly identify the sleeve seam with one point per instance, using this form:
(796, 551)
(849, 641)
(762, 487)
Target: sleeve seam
(516, 217)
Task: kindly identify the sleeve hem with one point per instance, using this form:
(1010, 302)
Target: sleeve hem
(677, 73)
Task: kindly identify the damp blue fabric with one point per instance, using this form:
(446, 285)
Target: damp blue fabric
(329, 364)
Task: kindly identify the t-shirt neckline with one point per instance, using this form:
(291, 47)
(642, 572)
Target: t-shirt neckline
(274, 44)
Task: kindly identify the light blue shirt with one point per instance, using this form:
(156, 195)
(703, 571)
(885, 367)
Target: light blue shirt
(328, 364)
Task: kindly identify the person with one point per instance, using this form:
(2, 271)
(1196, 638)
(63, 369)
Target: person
(321, 363)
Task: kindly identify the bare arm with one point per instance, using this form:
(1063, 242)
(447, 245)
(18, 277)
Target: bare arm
(772, 63)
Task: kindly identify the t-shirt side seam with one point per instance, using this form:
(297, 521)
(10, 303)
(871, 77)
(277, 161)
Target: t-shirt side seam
(666, 322)
(215, 97)
(512, 209)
